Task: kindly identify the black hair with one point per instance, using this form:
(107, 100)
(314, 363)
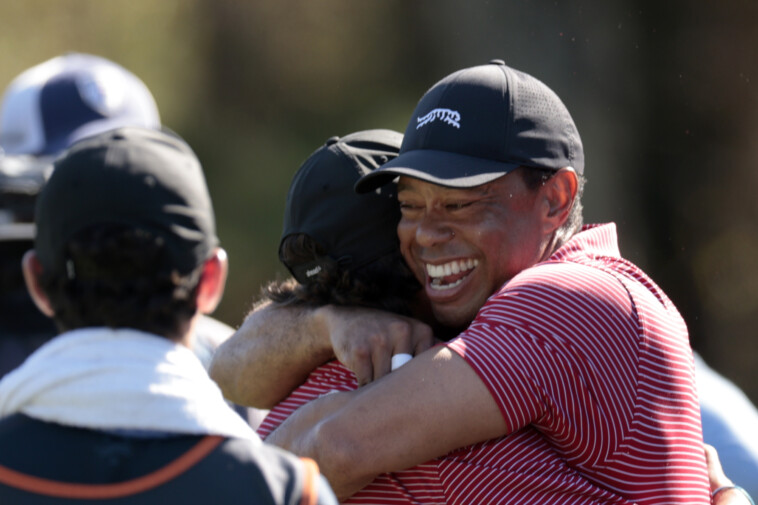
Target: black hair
(120, 277)
(386, 283)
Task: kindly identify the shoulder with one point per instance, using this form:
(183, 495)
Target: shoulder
(191, 469)
(560, 288)
(265, 468)
(209, 335)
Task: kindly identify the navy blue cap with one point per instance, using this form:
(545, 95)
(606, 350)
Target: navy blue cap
(51, 105)
(478, 124)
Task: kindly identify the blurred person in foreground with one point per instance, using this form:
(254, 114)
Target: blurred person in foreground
(22, 327)
(44, 110)
(552, 391)
(730, 425)
(117, 407)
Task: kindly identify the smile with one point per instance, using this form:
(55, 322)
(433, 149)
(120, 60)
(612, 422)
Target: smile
(451, 274)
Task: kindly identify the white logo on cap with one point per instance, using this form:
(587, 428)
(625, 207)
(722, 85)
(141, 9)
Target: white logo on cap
(104, 90)
(451, 117)
(313, 271)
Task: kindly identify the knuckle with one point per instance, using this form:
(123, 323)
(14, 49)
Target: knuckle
(361, 353)
(378, 341)
(400, 329)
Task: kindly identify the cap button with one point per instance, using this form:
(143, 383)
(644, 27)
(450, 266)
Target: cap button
(332, 140)
(497, 62)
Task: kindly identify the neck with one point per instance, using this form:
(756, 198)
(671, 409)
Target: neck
(186, 334)
(557, 240)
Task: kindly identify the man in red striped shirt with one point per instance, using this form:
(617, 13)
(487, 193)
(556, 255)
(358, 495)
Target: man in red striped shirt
(573, 384)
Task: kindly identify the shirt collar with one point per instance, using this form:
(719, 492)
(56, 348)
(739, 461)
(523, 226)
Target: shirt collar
(593, 240)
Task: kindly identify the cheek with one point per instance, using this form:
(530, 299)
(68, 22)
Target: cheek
(508, 244)
(405, 233)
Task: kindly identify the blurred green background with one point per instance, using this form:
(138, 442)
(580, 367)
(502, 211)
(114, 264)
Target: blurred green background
(664, 94)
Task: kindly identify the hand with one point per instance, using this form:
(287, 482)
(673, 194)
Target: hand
(728, 494)
(715, 471)
(365, 340)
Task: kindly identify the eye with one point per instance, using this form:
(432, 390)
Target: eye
(405, 205)
(457, 205)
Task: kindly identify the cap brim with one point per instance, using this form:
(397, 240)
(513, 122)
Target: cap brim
(97, 127)
(438, 167)
(13, 232)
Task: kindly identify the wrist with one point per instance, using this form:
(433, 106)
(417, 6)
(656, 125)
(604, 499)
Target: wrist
(723, 493)
(320, 321)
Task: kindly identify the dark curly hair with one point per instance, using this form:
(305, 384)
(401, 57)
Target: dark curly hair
(120, 277)
(386, 283)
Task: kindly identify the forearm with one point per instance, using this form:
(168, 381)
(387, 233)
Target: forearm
(302, 434)
(271, 353)
(419, 412)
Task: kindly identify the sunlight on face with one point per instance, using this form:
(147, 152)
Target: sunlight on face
(464, 244)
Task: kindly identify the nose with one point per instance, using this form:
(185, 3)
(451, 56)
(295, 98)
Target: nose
(432, 231)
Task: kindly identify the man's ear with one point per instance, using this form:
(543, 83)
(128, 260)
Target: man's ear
(210, 289)
(32, 269)
(560, 191)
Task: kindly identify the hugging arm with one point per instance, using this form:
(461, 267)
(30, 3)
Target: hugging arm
(271, 353)
(276, 347)
(419, 412)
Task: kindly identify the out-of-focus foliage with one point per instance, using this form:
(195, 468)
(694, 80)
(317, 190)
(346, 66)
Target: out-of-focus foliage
(664, 96)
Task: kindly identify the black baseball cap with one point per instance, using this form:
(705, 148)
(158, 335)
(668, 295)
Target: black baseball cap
(138, 177)
(478, 124)
(353, 229)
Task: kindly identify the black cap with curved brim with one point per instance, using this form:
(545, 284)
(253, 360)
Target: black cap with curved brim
(478, 124)
(137, 177)
(354, 230)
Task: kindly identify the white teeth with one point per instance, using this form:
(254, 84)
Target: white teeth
(436, 272)
(437, 284)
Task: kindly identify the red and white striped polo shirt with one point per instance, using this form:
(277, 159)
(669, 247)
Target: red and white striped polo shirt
(590, 364)
(591, 367)
(419, 485)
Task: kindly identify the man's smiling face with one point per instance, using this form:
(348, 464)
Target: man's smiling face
(464, 244)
